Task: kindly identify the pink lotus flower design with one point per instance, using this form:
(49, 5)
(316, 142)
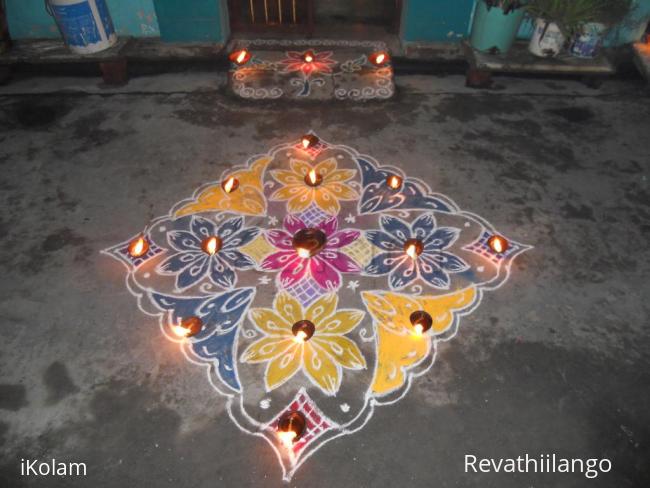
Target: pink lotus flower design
(325, 267)
(322, 62)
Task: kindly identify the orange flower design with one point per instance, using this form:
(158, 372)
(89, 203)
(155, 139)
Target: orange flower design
(327, 195)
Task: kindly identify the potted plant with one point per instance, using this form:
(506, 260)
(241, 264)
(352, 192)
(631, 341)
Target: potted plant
(556, 21)
(495, 25)
(587, 41)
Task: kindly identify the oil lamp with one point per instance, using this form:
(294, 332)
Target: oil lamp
(312, 178)
(291, 427)
(308, 140)
(308, 57)
(394, 182)
(308, 242)
(302, 331)
(230, 184)
(421, 322)
(189, 327)
(211, 245)
(413, 248)
(138, 247)
(240, 57)
(498, 244)
(379, 58)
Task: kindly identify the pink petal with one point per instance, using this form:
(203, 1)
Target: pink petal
(293, 224)
(294, 272)
(340, 261)
(329, 226)
(279, 260)
(341, 239)
(279, 239)
(325, 275)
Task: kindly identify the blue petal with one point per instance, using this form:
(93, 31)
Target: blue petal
(384, 262)
(241, 238)
(236, 259)
(432, 273)
(202, 228)
(447, 261)
(178, 262)
(181, 240)
(404, 274)
(221, 274)
(193, 273)
(229, 227)
(383, 241)
(441, 238)
(218, 348)
(396, 227)
(423, 226)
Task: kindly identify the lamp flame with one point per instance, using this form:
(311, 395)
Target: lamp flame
(394, 182)
(498, 244)
(138, 247)
(300, 337)
(287, 438)
(418, 330)
(308, 57)
(180, 331)
(303, 253)
(305, 142)
(380, 58)
(240, 57)
(412, 251)
(313, 177)
(211, 245)
(229, 185)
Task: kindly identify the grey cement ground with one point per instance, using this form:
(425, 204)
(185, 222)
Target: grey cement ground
(555, 362)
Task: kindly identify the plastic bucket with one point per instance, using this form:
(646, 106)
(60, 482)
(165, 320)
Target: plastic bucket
(85, 25)
(547, 40)
(492, 30)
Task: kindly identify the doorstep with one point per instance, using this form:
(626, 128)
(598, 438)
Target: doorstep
(341, 71)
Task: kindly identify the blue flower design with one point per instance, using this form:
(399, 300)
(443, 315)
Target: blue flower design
(434, 264)
(191, 264)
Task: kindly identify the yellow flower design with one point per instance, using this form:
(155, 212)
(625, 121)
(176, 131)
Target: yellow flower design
(299, 195)
(321, 357)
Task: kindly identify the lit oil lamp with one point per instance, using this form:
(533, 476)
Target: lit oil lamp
(291, 427)
(308, 57)
(138, 247)
(303, 331)
(413, 248)
(308, 242)
(498, 244)
(379, 58)
(312, 178)
(189, 327)
(308, 140)
(230, 184)
(421, 322)
(211, 245)
(394, 182)
(240, 57)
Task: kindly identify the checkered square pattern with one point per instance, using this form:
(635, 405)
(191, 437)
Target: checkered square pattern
(317, 422)
(313, 151)
(481, 248)
(361, 251)
(153, 250)
(313, 216)
(306, 291)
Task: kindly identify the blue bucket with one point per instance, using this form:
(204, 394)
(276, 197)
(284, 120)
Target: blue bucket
(85, 25)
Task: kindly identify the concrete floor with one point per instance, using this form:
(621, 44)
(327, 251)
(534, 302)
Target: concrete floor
(558, 361)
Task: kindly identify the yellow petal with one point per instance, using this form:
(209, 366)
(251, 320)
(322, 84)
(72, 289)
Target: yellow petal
(270, 322)
(341, 191)
(326, 200)
(341, 175)
(287, 177)
(289, 192)
(322, 308)
(343, 350)
(289, 308)
(324, 168)
(265, 349)
(301, 168)
(283, 367)
(321, 368)
(301, 201)
(340, 323)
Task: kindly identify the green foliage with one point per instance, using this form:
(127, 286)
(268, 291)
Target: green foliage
(571, 15)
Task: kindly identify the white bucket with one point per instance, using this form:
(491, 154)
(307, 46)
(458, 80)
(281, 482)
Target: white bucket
(547, 40)
(85, 25)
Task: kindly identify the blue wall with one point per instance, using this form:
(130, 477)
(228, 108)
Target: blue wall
(29, 19)
(192, 20)
(436, 20)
